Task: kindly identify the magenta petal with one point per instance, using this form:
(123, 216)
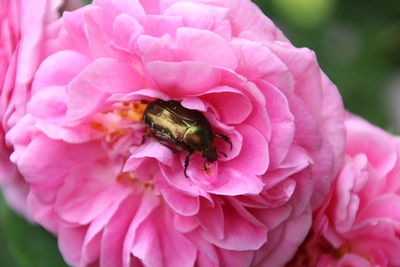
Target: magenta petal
(46, 169)
(332, 118)
(353, 260)
(240, 234)
(302, 64)
(158, 244)
(154, 49)
(383, 155)
(282, 124)
(148, 202)
(185, 224)
(296, 161)
(132, 8)
(92, 243)
(386, 207)
(43, 213)
(126, 30)
(194, 103)
(258, 63)
(232, 106)
(246, 16)
(150, 149)
(49, 104)
(193, 14)
(236, 183)
(137, 95)
(110, 75)
(235, 258)
(179, 79)
(97, 32)
(112, 243)
(254, 157)
(56, 70)
(175, 177)
(205, 46)
(180, 202)
(89, 90)
(15, 193)
(83, 203)
(159, 25)
(69, 239)
(211, 218)
(276, 252)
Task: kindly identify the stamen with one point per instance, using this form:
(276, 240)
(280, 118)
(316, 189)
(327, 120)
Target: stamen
(126, 177)
(98, 126)
(148, 186)
(207, 170)
(133, 110)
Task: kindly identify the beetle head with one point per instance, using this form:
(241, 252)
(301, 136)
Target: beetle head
(210, 154)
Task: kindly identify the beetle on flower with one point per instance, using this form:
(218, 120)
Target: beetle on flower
(187, 129)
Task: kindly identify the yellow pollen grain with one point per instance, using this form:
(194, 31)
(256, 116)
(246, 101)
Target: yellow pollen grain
(133, 115)
(148, 186)
(123, 113)
(126, 177)
(98, 126)
(207, 170)
(132, 110)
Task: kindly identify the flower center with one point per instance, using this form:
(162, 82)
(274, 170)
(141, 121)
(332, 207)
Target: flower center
(129, 178)
(119, 122)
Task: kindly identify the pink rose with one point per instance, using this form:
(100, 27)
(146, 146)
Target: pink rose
(114, 200)
(359, 225)
(25, 30)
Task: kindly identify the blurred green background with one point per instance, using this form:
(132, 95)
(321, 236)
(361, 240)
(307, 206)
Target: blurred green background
(358, 45)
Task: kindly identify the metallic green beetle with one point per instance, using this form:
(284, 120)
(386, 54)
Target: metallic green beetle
(186, 129)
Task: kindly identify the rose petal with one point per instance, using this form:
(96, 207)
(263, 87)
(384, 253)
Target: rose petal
(205, 46)
(181, 203)
(179, 79)
(89, 90)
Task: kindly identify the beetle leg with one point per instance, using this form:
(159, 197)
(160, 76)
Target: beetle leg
(144, 137)
(205, 165)
(175, 150)
(190, 152)
(225, 155)
(224, 138)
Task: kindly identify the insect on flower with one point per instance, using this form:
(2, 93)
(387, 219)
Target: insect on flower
(186, 129)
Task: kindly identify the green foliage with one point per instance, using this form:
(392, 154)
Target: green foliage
(306, 13)
(357, 44)
(30, 245)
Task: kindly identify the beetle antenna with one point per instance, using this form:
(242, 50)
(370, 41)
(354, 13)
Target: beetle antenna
(224, 138)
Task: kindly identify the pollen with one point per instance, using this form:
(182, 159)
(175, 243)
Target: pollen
(119, 121)
(207, 170)
(126, 177)
(98, 126)
(133, 110)
(148, 186)
(129, 178)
